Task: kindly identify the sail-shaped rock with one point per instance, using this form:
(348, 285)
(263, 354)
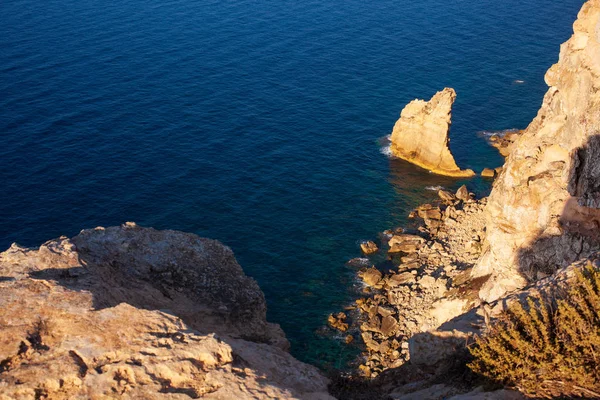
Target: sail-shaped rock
(420, 136)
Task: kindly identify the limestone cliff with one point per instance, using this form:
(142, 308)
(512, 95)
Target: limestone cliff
(544, 209)
(130, 312)
(420, 136)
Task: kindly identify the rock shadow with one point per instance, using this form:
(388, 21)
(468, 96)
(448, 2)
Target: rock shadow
(409, 182)
(195, 279)
(110, 276)
(578, 233)
(439, 371)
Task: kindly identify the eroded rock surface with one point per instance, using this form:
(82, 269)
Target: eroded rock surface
(420, 136)
(130, 312)
(429, 286)
(540, 225)
(416, 319)
(505, 141)
(543, 211)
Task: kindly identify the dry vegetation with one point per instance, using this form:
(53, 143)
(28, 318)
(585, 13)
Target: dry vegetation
(547, 347)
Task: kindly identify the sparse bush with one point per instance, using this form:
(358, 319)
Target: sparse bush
(547, 347)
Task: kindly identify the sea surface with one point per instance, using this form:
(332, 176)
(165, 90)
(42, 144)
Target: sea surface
(255, 122)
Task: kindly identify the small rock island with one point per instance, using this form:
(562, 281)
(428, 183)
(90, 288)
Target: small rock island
(420, 136)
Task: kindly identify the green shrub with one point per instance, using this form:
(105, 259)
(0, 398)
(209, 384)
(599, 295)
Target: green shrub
(547, 347)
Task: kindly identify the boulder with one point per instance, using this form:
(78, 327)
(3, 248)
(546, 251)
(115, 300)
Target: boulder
(408, 266)
(409, 258)
(488, 173)
(369, 247)
(371, 276)
(337, 321)
(407, 246)
(371, 344)
(389, 326)
(401, 279)
(446, 196)
(433, 214)
(429, 212)
(420, 136)
(463, 193)
(405, 237)
(427, 281)
(385, 326)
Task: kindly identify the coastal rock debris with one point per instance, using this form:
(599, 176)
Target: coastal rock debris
(430, 286)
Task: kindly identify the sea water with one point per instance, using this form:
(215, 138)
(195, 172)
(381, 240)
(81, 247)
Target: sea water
(258, 123)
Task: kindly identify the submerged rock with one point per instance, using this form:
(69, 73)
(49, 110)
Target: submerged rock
(420, 136)
(358, 262)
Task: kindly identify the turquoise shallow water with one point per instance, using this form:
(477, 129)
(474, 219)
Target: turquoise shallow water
(254, 122)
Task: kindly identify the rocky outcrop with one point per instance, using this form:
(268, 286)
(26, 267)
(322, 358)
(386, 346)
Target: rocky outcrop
(133, 312)
(416, 319)
(504, 141)
(539, 226)
(420, 136)
(544, 209)
(428, 286)
(416, 331)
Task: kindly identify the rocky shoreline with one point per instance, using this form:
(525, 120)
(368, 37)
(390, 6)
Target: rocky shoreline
(466, 257)
(132, 312)
(430, 285)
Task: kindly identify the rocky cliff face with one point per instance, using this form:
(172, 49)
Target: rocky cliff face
(544, 209)
(133, 312)
(420, 136)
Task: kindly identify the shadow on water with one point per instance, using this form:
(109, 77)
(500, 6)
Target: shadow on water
(114, 283)
(414, 185)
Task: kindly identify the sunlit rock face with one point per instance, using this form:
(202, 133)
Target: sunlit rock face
(544, 209)
(137, 313)
(420, 136)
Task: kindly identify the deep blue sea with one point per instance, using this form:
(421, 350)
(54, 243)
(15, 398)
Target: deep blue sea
(255, 122)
